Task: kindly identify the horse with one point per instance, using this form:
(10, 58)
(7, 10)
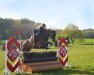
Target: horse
(40, 40)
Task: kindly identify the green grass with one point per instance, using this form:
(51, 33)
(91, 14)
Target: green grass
(89, 41)
(81, 59)
(2, 61)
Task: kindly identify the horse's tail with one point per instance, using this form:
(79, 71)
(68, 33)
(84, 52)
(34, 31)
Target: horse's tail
(26, 46)
(21, 44)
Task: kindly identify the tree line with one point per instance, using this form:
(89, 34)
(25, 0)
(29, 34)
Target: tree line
(73, 33)
(9, 27)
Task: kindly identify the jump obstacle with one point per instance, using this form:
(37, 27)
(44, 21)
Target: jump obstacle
(35, 64)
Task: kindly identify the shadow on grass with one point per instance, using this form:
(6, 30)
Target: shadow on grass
(67, 71)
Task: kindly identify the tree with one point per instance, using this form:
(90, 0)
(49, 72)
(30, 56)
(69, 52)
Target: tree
(73, 32)
(9, 27)
(78, 36)
(71, 26)
(88, 33)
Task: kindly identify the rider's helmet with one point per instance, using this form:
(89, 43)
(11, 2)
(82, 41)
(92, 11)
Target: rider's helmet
(43, 25)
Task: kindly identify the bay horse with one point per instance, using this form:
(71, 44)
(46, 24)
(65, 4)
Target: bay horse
(40, 40)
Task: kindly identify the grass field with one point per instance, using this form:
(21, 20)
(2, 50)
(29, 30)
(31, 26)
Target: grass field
(81, 59)
(89, 41)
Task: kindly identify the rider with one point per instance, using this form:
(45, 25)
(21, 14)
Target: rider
(40, 30)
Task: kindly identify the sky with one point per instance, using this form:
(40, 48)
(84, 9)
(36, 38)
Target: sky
(54, 13)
